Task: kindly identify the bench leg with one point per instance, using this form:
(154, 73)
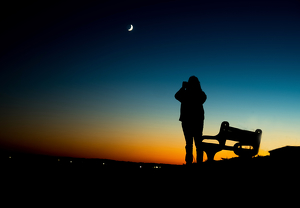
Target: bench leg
(211, 154)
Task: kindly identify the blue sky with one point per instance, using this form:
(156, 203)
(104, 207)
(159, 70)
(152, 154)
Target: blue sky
(85, 74)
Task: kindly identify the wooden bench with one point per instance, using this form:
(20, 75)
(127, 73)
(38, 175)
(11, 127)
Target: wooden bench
(247, 145)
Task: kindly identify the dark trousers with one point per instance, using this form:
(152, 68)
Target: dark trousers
(193, 131)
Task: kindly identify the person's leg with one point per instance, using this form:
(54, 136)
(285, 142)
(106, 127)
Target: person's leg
(199, 150)
(198, 130)
(186, 127)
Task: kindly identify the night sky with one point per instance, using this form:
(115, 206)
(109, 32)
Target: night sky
(75, 82)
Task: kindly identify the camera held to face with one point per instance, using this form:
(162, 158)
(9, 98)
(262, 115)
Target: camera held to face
(185, 84)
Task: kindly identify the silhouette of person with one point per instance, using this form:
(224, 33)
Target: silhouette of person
(192, 98)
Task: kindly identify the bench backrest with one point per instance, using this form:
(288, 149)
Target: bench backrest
(244, 137)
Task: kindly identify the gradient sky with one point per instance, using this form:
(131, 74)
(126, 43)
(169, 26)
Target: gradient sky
(75, 82)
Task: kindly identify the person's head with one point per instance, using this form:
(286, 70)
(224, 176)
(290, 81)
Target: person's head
(194, 83)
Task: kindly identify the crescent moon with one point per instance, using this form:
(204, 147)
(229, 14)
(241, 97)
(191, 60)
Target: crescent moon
(131, 28)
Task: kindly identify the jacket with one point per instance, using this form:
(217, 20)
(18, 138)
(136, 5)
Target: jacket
(191, 108)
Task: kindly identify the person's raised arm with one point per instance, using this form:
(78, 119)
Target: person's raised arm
(179, 95)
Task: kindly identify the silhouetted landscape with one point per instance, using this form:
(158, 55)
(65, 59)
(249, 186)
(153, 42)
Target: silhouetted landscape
(287, 157)
(76, 80)
(69, 180)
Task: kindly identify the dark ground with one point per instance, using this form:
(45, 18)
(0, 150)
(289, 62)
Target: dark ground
(91, 182)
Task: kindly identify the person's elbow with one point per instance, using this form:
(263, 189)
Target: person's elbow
(177, 97)
(204, 98)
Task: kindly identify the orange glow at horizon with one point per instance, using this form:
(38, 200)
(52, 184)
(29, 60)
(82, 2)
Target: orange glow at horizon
(157, 152)
(133, 140)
